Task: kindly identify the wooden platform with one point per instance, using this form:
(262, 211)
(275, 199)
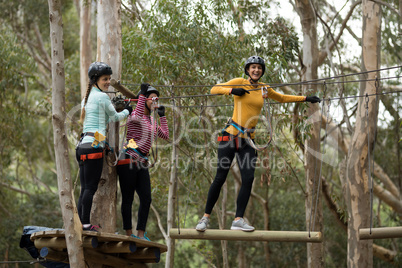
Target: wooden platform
(103, 248)
(274, 236)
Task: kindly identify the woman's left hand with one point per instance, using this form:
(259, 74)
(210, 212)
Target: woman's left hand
(313, 99)
(161, 110)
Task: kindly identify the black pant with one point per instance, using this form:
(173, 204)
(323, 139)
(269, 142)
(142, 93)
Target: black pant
(134, 178)
(246, 158)
(90, 173)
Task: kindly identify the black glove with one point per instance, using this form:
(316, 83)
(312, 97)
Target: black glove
(313, 99)
(144, 88)
(161, 110)
(129, 108)
(239, 91)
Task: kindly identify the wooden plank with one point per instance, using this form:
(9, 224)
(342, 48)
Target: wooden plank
(275, 236)
(60, 242)
(103, 237)
(380, 233)
(118, 247)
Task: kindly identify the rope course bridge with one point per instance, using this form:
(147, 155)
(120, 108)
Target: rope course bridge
(284, 236)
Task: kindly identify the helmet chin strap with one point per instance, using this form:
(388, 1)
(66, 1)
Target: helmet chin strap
(254, 81)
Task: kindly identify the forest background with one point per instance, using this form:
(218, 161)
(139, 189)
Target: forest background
(193, 43)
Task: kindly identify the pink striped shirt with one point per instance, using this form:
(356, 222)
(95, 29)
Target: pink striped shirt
(143, 129)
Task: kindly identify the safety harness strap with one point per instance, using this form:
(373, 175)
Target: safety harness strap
(84, 157)
(125, 161)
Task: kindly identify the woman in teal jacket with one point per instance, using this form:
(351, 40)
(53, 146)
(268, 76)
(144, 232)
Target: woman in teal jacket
(96, 112)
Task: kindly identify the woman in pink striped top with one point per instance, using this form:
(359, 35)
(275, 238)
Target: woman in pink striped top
(133, 172)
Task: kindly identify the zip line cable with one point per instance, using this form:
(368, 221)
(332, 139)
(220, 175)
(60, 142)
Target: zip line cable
(332, 98)
(274, 85)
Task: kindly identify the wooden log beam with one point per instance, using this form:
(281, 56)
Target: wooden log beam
(97, 257)
(275, 236)
(118, 247)
(143, 254)
(380, 233)
(50, 254)
(60, 242)
(123, 90)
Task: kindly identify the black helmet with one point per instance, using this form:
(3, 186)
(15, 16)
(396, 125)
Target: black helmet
(254, 59)
(150, 90)
(97, 69)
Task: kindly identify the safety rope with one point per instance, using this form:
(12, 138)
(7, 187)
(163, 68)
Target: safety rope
(269, 128)
(368, 152)
(311, 225)
(308, 82)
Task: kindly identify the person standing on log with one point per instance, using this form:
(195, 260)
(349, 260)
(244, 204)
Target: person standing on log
(248, 102)
(96, 112)
(142, 130)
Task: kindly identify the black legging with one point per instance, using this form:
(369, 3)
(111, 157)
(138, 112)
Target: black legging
(246, 158)
(134, 178)
(90, 173)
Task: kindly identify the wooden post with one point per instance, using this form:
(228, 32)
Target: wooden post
(72, 223)
(380, 233)
(274, 236)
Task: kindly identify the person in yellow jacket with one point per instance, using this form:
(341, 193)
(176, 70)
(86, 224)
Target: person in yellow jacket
(248, 103)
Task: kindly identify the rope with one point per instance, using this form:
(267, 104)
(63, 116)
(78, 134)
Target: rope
(319, 176)
(315, 164)
(30, 262)
(297, 83)
(368, 151)
(174, 137)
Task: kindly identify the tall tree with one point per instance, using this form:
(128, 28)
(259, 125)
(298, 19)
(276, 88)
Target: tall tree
(85, 43)
(110, 52)
(358, 184)
(72, 223)
(308, 20)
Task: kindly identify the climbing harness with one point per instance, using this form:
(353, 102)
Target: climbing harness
(95, 144)
(248, 131)
(132, 145)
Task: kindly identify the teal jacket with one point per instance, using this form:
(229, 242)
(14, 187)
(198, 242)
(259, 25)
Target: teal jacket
(99, 111)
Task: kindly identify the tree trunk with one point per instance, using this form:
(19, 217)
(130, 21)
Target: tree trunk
(308, 21)
(85, 44)
(224, 243)
(172, 192)
(109, 51)
(72, 223)
(360, 253)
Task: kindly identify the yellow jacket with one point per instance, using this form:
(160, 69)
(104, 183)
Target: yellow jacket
(247, 108)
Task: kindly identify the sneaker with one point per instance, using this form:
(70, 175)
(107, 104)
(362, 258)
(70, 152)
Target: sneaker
(202, 224)
(241, 225)
(142, 238)
(93, 228)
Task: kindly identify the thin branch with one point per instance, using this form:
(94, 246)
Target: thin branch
(158, 219)
(323, 54)
(15, 189)
(394, 10)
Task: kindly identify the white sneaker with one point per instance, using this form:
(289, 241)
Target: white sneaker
(241, 225)
(202, 224)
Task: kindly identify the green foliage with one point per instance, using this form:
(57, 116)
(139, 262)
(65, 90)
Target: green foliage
(181, 43)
